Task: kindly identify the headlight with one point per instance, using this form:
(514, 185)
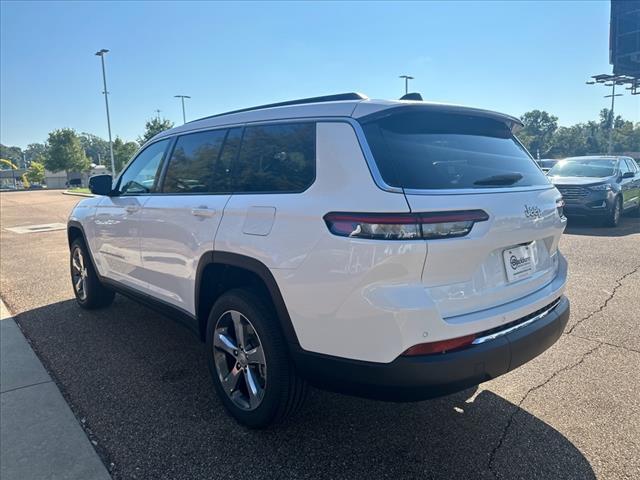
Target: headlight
(601, 187)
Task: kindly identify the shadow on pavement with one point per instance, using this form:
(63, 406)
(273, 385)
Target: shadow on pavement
(579, 226)
(140, 385)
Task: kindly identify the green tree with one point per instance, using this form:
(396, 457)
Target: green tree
(35, 174)
(96, 148)
(122, 152)
(154, 127)
(35, 152)
(11, 153)
(570, 141)
(538, 130)
(65, 152)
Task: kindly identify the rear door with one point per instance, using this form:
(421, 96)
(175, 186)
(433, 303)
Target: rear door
(448, 162)
(179, 224)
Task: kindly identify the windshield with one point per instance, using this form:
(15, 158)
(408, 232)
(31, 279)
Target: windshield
(584, 168)
(434, 150)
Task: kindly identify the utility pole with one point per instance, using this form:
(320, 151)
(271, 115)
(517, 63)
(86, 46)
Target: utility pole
(182, 97)
(406, 82)
(101, 54)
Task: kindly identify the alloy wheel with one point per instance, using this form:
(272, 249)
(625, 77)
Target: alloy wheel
(239, 360)
(79, 273)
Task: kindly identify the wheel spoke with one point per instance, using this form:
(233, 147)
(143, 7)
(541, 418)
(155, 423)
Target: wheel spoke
(231, 381)
(252, 387)
(239, 328)
(76, 265)
(79, 285)
(256, 356)
(80, 259)
(238, 352)
(224, 343)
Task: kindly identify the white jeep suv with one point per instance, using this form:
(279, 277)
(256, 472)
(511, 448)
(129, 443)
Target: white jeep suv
(398, 250)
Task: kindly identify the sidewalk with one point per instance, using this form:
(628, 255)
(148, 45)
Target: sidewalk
(39, 436)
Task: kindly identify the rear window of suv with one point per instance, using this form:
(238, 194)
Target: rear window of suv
(434, 150)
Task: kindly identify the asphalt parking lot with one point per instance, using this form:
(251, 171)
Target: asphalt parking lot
(138, 382)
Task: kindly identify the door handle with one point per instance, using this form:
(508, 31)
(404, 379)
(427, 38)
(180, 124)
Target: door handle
(202, 212)
(131, 209)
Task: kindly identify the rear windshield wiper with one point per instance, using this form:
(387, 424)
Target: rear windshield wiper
(505, 179)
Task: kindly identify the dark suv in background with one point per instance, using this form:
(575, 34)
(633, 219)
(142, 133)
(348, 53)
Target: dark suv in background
(599, 186)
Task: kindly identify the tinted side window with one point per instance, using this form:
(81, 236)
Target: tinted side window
(142, 175)
(276, 158)
(623, 167)
(192, 168)
(632, 165)
(222, 168)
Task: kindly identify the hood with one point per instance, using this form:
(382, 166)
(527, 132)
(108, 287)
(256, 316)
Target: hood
(557, 180)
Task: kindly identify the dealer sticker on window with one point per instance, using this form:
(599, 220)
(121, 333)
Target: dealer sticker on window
(518, 262)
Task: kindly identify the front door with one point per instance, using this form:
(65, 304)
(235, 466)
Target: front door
(630, 186)
(179, 225)
(116, 242)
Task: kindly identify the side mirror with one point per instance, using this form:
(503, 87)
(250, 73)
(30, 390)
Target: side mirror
(100, 184)
(628, 175)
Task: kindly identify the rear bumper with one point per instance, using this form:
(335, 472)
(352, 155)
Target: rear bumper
(422, 377)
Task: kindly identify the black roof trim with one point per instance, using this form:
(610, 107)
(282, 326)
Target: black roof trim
(325, 98)
(511, 122)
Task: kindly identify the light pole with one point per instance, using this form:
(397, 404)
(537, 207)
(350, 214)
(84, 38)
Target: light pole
(611, 114)
(182, 97)
(406, 82)
(614, 81)
(100, 53)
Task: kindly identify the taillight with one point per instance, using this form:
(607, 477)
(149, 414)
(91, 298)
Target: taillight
(439, 347)
(404, 226)
(560, 207)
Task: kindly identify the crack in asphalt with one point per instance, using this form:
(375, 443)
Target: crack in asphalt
(505, 431)
(606, 302)
(608, 344)
(599, 343)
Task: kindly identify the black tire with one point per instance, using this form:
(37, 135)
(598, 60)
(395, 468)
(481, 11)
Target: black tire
(92, 294)
(283, 391)
(613, 216)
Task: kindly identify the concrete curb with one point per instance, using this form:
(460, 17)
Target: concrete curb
(39, 435)
(77, 194)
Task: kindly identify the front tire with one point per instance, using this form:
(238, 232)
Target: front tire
(249, 361)
(89, 291)
(613, 217)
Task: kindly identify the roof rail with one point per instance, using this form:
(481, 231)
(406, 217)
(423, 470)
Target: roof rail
(325, 98)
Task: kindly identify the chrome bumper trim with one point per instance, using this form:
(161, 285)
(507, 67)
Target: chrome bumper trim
(512, 329)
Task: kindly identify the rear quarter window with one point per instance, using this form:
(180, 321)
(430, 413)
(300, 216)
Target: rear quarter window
(278, 158)
(433, 150)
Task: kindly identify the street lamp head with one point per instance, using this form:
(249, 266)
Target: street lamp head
(590, 82)
(408, 77)
(102, 52)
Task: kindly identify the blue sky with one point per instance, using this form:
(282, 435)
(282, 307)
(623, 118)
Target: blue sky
(510, 57)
